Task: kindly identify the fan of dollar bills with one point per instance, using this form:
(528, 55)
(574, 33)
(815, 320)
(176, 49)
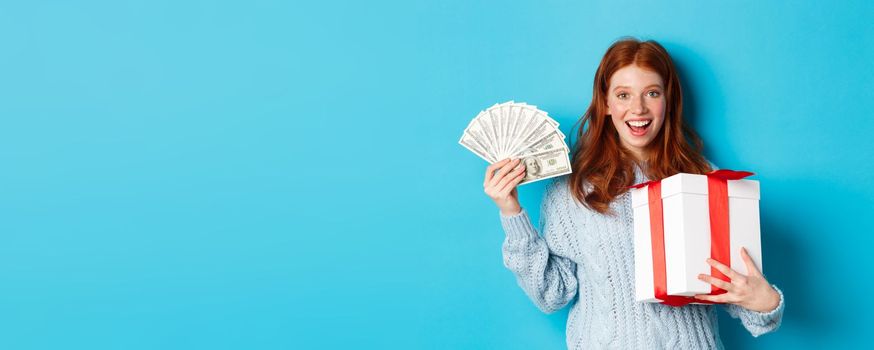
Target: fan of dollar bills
(518, 130)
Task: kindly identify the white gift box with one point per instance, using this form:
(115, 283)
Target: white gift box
(687, 239)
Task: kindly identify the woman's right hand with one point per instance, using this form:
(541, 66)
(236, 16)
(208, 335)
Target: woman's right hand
(501, 185)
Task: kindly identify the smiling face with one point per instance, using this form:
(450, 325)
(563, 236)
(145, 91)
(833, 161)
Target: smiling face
(636, 103)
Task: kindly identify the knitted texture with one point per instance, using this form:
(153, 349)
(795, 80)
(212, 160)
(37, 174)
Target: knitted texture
(586, 259)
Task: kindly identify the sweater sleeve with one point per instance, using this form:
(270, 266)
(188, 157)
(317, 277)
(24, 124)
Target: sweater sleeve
(758, 323)
(540, 264)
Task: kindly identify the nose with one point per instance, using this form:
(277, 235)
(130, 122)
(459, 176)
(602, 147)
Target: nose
(637, 106)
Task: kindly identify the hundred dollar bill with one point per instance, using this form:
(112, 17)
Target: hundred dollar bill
(538, 132)
(476, 139)
(516, 130)
(470, 142)
(525, 120)
(504, 113)
(551, 141)
(494, 118)
(513, 116)
(546, 164)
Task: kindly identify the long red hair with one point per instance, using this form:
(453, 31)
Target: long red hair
(598, 157)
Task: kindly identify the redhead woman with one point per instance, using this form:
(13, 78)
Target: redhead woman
(636, 133)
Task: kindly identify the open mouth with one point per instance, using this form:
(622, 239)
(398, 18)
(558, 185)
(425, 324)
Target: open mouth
(638, 127)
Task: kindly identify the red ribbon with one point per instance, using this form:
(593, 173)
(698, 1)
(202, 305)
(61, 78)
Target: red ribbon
(720, 248)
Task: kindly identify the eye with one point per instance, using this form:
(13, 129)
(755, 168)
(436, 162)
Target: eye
(622, 95)
(654, 93)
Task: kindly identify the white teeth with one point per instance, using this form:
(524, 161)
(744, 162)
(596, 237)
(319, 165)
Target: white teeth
(639, 123)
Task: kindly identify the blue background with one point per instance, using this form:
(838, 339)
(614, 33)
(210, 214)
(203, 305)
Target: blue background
(282, 175)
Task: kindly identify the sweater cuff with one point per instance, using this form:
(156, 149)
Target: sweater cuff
(763, 318)
(518, 225)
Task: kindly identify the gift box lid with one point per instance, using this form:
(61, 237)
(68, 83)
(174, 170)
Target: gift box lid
(748, 189)
(695, 184)
(684, 183)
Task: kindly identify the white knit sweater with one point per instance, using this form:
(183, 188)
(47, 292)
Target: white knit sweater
(586, 259)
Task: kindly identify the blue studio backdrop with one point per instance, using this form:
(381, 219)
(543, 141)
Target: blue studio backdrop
(286, 175)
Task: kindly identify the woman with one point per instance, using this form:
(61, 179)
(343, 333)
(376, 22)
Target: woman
(635, 133)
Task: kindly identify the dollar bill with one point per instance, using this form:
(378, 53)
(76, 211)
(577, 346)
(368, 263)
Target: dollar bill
(546, 164)
(518, 130)
(551, 141)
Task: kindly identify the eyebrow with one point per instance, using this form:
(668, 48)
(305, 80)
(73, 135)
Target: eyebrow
(645, 87)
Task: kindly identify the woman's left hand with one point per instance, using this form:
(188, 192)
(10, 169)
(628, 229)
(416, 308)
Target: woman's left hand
(752, 292)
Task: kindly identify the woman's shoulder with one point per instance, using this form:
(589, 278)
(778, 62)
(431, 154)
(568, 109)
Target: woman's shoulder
(556, 199)
(555, 192)
(559, 200)
(557, 186)
(558, 191)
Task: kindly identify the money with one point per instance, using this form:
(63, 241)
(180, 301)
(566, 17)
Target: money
(519, 130)
(546, 164)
